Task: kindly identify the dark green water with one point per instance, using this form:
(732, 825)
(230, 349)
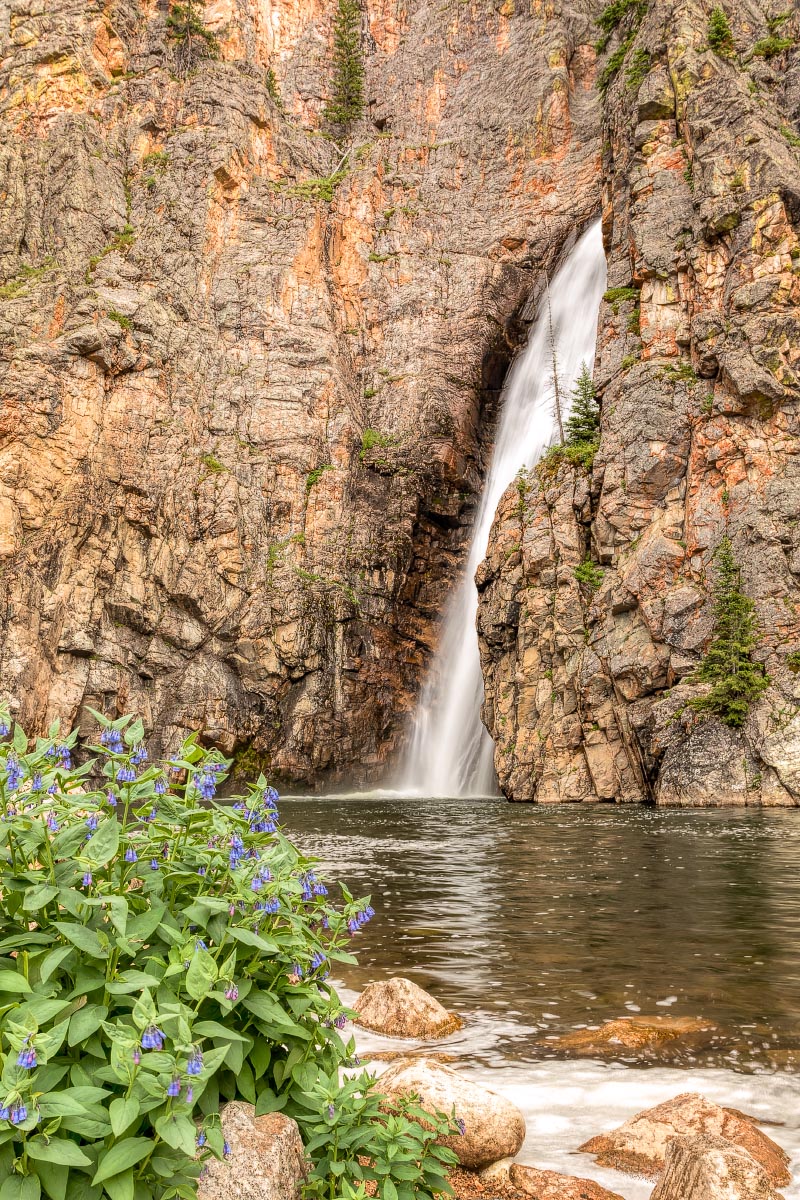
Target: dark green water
(537, 921)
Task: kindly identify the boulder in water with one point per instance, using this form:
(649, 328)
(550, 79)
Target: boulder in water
(639, 1146)
(651, 1036)
(494, 1128)
(706, 1167)
(266, 1162)
(400, 1008)
(550, 1185)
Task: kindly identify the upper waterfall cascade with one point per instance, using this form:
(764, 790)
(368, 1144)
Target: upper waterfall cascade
(451, 753)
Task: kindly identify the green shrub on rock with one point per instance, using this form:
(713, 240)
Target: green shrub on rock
(347, 102)
(736, 680)
(720, 38)
(160, 953)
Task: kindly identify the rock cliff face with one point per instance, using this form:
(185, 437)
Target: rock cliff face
(248, 374)
(699, 374)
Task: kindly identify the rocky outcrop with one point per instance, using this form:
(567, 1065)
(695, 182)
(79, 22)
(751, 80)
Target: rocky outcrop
(400, 1008)
(249, 374)
(709, 1168)
(266, 1159)
(493, 1127)
(698, 371)
(550, 1185)
(639, 1147)
(655, 1039)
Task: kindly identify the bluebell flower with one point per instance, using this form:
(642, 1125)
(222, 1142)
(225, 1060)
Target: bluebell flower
(14, 774)
(154, 864)
(5, 1113)
(340, 1021)
(112, 740)
(205, 783)
(4, 727)
(87, 879)
(52, 823)
(226, 1148)
(126, 775)
(200, 945)
(201, 870)
(320, 889)
(160, 786)
(190, 1094)
(153, 1038)
(112, 799)
(331, 1112)
(297, 970)
(174, 1087)
(130, 855)
(37, 782)
(27, 1058)
(138, 755)
(317, 960)
(201, 1138)
(232, 992)
(256, 885)
(195, 1064)
(18, 1114)
(137, 1058)
(63, 756)
(51, 791)
(92, 821)
(462, 1128)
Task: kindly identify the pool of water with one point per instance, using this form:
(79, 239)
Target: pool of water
(535, 923)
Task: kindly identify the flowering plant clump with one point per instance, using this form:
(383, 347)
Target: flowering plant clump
(160, 953)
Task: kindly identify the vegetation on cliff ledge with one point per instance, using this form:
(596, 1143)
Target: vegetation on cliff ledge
(581, 430)
(736, 680)
(347, 101)
(161, 953)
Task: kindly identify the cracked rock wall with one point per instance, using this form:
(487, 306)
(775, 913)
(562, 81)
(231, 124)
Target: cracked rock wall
(245, 406)
(698, 370)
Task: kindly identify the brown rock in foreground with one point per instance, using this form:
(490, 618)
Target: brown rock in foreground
(550, 1185)
(705, 1167)
(400, 1008)
(639, 1147)
(493, 1127)
(266, 1162)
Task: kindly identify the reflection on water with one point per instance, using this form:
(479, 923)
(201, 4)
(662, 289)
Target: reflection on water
(541, 920)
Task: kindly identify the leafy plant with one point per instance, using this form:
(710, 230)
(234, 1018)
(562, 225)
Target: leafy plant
(347, 102)
(313, 477)
(212, 464)
(583, 423)
(195, 41)
(768, 47)
(161, 952)
(589, 575)
(720, 38)
(636, 72)
(371, 438)
(120, 318)
(736, 680)
(620, 295)
(613, 15)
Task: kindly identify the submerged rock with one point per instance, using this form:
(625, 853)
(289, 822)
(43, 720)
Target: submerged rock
(705, 1167)
(550, 1185)
(400, 1008)
(639, 1147)
(494, 1128)
(635, 1033)
(266, 1162)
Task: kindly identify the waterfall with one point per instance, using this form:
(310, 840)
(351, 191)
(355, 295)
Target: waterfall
(451, 753)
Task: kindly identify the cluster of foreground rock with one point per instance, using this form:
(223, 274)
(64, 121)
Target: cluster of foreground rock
(692, 1148)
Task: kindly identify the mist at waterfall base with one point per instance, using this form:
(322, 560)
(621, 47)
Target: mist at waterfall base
(450, 752)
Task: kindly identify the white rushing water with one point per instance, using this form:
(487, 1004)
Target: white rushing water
(451, 753)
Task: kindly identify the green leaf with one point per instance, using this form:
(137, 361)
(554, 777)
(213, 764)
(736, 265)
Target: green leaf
(53, 960)
(120, 1156)
(135, 732)
(120, 1187)
(20, 740)
(58, 1150)
(104, 842)
(178, 1132)
(215, 1029)
(11, 981)
(146, 923)
(85, 939)
(123, 1112)
(253, 939)
(53, 1178)
(61, 1104)
(85, 1022)
(21, 1187)
(132, 981)
(37, 897)
(202, 974)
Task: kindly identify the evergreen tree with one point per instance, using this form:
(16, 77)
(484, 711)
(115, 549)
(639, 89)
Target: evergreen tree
(720, 38)
(347, 102)
(736, 680)
(185, 26)
(583, 424)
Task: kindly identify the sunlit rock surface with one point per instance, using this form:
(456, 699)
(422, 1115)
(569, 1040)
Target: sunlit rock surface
(706, 1167)
(266, 1159)
(246, 405)
(401, 1008)
(698, 371)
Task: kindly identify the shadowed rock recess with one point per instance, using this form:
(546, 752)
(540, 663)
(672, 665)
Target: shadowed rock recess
(697, 372)
(248, 374)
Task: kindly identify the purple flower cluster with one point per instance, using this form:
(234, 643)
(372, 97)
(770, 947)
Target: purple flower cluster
(126, 774)
(14, 774)
(360, 919)
(112, 740)
(27, 1058)
(153, 1038)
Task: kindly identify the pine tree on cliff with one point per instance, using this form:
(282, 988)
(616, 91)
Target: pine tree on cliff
(736, 680)
(347, 102)
(185, 26)
(583, 423)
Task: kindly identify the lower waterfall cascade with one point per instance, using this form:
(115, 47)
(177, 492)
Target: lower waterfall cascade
(450, 752)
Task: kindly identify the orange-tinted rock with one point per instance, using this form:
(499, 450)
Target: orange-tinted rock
(706, 1167)
(631, 1033)
(550, 1185)
(266, 1160)
(639, 1146)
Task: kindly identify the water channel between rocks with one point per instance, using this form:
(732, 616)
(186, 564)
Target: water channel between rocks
(534, 923)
